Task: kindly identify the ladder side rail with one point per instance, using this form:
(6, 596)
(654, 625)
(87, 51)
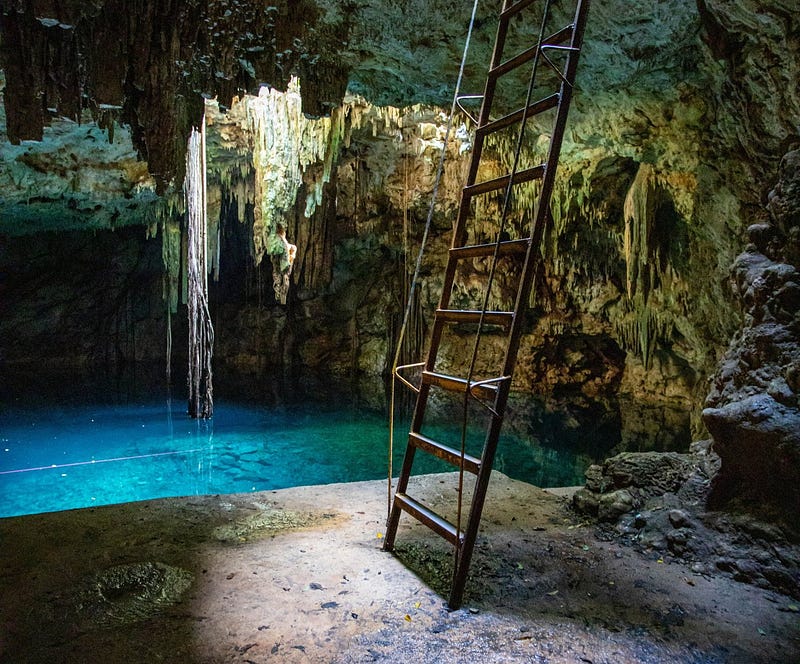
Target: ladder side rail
(548, 182)
(464, 555)
(531, 260)
(438, 325)
(478, 498)
(464, 543)
(424, 390)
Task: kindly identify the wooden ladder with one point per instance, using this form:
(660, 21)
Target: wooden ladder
(562, 46)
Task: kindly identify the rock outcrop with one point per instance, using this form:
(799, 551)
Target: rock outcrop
(658, 504)
(731, 505)
(753, 409)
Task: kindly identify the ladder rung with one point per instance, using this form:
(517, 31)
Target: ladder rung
(534, 173)
(508, 248)
(457, 384)
(502, 318)
(515, 9)
(427, 516)
(534, 109)
(452, 456)
(529, 53)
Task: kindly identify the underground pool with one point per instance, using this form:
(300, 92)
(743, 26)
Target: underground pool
(91, 451)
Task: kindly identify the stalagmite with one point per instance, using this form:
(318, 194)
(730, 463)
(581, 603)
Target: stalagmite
(201, 332)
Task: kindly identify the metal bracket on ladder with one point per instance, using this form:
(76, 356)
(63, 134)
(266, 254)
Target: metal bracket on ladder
(461, 98)
(491, 393)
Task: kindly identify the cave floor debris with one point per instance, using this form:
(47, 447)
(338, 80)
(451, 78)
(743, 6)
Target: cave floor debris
(298, 575)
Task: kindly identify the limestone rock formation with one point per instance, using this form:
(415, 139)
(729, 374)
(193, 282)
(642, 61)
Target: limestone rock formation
(150, 64)
(658, 504)
(753, 409)
(732, 504)
(627, 482)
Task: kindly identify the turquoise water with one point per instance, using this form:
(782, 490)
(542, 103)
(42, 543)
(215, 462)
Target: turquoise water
(83, 455)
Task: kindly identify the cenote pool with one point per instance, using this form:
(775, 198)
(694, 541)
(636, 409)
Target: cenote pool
(87, 453)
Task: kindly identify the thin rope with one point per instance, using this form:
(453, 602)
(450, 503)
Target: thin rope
(428, 222)
(169, 343)
(92, 462)
(493, 268)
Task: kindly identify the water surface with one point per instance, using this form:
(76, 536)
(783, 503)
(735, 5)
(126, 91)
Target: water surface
(58, 453)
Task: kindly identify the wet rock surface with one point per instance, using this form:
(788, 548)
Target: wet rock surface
(130, 593)
(544, 587)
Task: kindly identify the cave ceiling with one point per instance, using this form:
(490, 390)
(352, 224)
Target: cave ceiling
(100, 95)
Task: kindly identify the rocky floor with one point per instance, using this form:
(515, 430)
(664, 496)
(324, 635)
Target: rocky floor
(299, 576)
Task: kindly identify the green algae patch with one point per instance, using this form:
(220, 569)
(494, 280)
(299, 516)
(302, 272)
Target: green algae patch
(270, 522)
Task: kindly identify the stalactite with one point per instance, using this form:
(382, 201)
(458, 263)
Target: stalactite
(213, 211)
(243, 196)
(286, 143)
(640, 206)
(171, 259)
(201, 332)
(653, 286)
(290, 156)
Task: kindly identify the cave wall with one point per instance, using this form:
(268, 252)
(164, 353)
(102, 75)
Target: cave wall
(673, 144)
(149, 64)
(681, 115)
(81, 301)
(753, 407)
